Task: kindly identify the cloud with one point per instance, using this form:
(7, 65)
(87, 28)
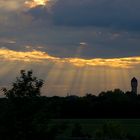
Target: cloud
(61, 27)
(43, 57)
(83, 44)
(7, 41)
(116, 14)
(73, 44)
(100, 13)
(34, 3)
(11, 5)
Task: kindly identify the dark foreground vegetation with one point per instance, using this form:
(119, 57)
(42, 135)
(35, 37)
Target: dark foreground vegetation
(25, 115)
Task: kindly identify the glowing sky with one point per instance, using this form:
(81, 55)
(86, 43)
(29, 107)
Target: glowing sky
(35, 3)
(76, 46)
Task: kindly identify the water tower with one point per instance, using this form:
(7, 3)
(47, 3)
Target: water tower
(134, 85)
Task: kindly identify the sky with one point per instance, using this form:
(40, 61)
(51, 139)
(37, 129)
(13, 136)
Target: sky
(75, 46)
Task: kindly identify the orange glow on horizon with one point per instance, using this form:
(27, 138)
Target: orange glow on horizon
(43, 57)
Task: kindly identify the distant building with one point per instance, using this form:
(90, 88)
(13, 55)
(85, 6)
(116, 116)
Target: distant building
(134, 85)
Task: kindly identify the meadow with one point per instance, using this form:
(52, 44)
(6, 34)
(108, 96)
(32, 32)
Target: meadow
(130, 126)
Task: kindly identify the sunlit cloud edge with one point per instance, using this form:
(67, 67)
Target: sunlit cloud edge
(36, 56)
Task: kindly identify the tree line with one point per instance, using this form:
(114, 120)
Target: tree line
(25, 114)
(114, 104)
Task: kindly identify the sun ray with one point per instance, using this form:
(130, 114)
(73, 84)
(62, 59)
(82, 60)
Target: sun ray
(53, 76)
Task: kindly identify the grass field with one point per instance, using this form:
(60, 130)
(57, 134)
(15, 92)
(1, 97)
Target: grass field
(131, 126)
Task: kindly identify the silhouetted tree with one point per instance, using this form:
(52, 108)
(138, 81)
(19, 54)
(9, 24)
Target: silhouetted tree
(25, 86)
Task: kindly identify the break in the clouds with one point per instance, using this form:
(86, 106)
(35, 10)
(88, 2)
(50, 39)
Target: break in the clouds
(91, 42)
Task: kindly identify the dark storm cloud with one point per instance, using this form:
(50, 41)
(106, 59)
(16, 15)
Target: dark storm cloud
(120, 14)
(105, 26)
(40, 13)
